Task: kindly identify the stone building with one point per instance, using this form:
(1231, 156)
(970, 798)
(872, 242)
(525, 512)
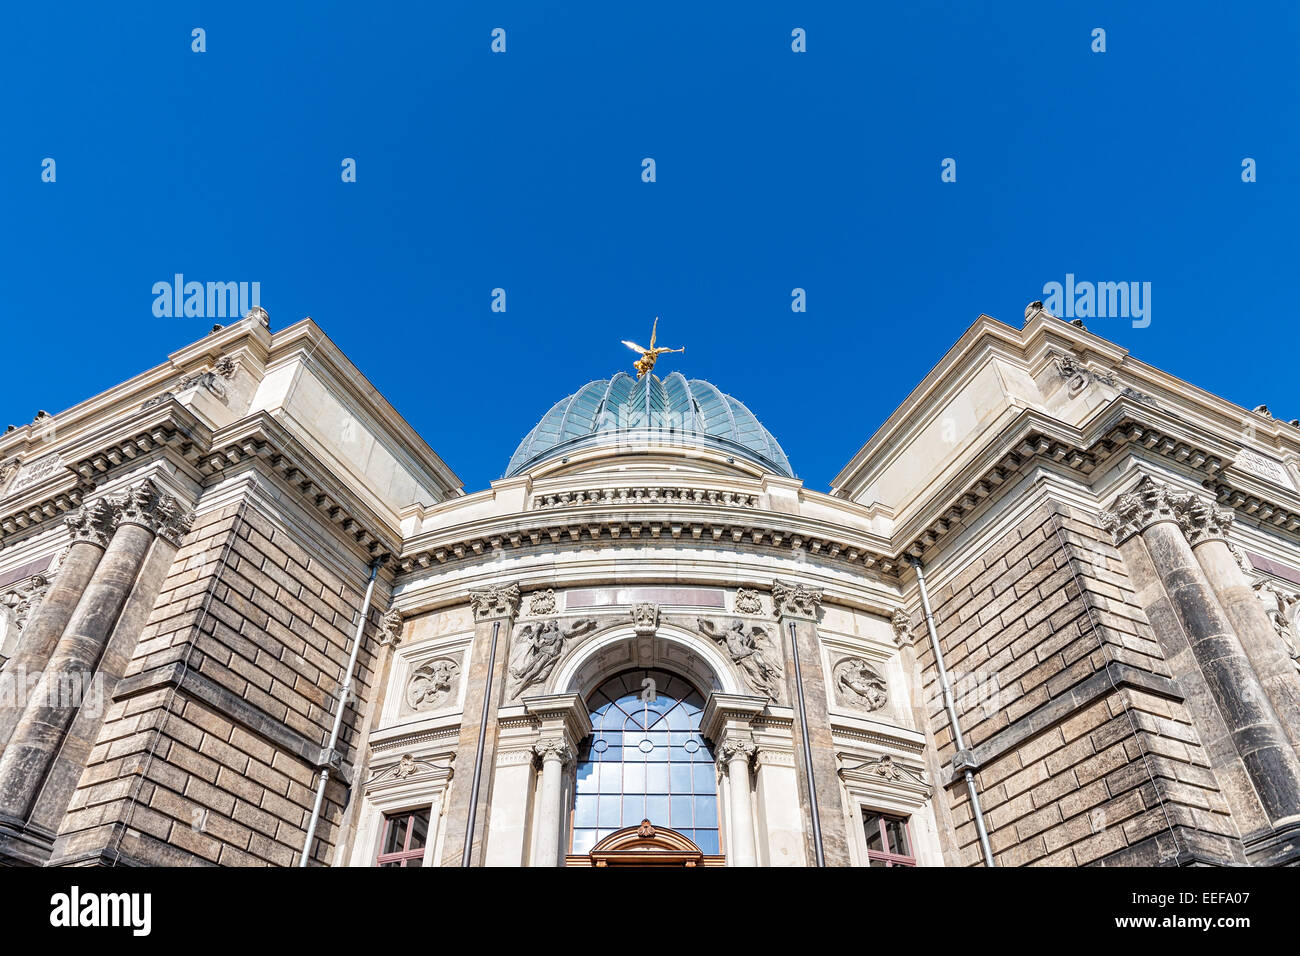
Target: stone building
(1047, 614)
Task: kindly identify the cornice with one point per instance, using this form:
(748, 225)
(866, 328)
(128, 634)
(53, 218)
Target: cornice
(547, 527)
(1034, 438)
(261, 440)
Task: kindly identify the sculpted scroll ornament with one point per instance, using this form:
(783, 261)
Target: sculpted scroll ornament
(433, 684)
(750, 648)
(860, 685)
(390, 626)
(541, 643)
(903, 632)
(748, 601)
(542, 602)
(645, 619)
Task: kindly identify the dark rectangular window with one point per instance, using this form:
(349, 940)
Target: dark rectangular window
(405, 835)
(888, 840)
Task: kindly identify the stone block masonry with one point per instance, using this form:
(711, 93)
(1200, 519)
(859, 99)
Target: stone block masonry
(1086, 751)
(208, 752)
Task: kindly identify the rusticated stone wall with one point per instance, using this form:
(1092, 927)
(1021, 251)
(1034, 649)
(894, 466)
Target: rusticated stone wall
(209, 750)
(1086, 750)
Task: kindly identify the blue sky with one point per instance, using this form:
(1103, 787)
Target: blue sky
(522, 171)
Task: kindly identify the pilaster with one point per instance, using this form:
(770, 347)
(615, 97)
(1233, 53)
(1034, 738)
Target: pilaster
(495, 608)
(796, 607)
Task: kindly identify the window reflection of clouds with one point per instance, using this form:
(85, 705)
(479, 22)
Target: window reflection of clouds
(645, 759)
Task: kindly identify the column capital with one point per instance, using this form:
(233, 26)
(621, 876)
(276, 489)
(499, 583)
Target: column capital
(145, 505)
(494, 601)
(94, 522)
(795, 600)
(1201, 521)
(1151, 502)
(561, 717)
(1148, 503)
(727, 715)
(553, 748)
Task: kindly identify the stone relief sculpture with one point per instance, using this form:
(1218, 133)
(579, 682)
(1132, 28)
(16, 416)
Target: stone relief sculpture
(432, 684)
(750, 648)
(860, 685)
(541, 643)
(1283, 611)
(23, 600)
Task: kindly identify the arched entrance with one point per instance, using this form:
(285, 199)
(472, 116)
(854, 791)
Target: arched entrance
(645, 765)
(646, 845)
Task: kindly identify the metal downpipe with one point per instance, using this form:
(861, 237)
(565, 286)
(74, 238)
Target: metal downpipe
(963, 756)
(478, 752)
(327, 755)
(818, 851)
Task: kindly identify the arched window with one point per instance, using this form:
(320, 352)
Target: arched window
(645, 760)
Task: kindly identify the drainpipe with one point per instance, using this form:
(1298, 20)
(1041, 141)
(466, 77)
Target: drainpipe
(963, 758)
(818, 851)
(478, 753)
(327, 755)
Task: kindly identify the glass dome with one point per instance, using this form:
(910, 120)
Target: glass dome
(674, 409)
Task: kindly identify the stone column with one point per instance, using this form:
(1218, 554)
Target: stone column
(1206, 528)
(554, 754)
(563, 723)
(798, 605)
(494, 613)
(1155, 512)
(141, 511)
(727, 721)
(91, 528)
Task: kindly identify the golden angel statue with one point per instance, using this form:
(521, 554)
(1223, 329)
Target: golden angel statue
(646, 362)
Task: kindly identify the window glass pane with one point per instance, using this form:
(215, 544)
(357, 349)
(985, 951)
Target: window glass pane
(584, 810)
(681, 777)
(420, 832)
(395, 840)
(706, 811)
(415, 861)
(683, 815)
(610, 815)
(633, 808)
(583, 840)
(897, 833)
(656, 810)
(875, 862)
(645, 760)
(872, 823)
